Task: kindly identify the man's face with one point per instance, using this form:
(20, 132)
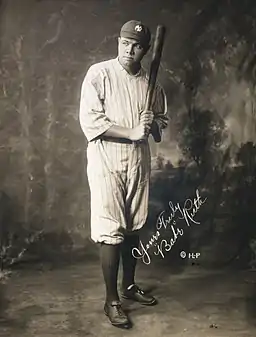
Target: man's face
(130, 51)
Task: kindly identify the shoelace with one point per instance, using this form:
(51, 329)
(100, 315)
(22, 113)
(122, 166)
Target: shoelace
(118, 309)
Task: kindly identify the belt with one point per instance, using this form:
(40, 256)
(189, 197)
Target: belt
(120, 140)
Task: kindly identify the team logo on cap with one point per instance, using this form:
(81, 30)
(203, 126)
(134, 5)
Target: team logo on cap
(138, 28)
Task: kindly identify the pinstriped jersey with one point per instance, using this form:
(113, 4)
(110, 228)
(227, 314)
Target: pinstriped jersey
(110, 95)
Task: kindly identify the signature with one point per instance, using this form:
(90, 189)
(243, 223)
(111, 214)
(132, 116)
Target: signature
(186, 212)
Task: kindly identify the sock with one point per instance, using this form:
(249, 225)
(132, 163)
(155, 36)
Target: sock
(128, 261)
(110, 257)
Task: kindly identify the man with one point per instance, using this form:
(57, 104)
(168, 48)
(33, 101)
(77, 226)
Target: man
(116, 126)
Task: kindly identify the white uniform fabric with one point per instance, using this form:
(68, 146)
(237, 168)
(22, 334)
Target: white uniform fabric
(118, 173)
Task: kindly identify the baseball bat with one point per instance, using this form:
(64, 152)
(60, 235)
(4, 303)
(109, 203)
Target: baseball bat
(155, 62)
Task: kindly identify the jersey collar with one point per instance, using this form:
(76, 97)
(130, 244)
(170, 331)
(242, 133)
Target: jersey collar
(139, 73)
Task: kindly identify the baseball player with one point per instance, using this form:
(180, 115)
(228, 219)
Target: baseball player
(117, 127)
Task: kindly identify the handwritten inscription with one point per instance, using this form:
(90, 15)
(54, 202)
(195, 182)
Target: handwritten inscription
(168, 219)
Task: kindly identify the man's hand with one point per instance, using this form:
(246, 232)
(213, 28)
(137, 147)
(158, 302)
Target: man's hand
(146, 117)
(141, 131)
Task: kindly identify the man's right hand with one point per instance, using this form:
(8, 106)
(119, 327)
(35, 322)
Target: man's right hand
(138, 133)
(141, 131)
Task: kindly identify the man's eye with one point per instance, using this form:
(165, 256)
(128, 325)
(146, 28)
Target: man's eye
(138, 46)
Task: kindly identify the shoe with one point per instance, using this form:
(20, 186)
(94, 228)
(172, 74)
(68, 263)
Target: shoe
(116, 314)
(138, 295)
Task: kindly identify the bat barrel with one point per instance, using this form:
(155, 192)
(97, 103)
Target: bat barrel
(159, 41)
(156, 58)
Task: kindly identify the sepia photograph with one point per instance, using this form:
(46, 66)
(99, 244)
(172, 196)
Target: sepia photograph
(128, 168)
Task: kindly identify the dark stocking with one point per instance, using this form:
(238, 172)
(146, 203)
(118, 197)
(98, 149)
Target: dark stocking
(110, 257)
(129, 262)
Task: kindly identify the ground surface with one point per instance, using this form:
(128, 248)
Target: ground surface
(67, 301)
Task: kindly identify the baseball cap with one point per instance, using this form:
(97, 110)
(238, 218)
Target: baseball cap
(134, 29)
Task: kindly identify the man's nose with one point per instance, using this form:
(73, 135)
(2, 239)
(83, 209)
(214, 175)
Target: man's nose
(129, 49)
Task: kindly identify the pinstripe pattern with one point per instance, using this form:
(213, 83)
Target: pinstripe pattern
(118, 173)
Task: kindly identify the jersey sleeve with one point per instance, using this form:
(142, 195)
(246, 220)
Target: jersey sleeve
(159, 107)
(92, 117)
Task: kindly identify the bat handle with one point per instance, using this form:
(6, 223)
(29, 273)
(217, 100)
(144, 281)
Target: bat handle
(148, 102)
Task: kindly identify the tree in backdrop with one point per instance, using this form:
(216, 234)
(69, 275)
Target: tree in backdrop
(201, 137)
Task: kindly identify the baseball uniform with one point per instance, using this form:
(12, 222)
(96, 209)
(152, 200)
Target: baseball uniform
(118, 170)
